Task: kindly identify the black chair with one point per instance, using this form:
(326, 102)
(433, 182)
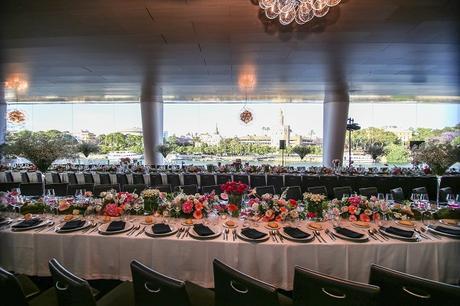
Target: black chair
(261, 190)
(190, 179)
(398, 194)
(60, 189)
(243, 178)
(138, 188)
(340, 191)
(138, 179)
(9, 177)
(25, 178)
(419, 190)
(257, 180)
(72, 178)
(292, 180)
(232, 288)
(187, 189)
(292, 192)
(163, 188)
(152, 288)
(318, 190)
(209, 189)
(74, 291)
(443, 192)
(368, 191)
(309, 181)
(13, 292)
(207, 180)
(314, 288)
(72, 188)
(32, 189)
(223, 178)
(89, 179)
(56, 178)
(401, 289)
(155, 179)
(122, 179)
(173, 179)
(104, 179)
(105, 187)
(8, 186)
(275, 181)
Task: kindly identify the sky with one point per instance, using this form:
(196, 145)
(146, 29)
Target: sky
(180, 119)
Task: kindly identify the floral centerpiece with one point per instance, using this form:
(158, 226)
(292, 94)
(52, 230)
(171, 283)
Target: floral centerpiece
(152, 199)
(187, 206)
(360, 208)
(316, 204)
(402, 211)
(115, 203)
(273, 208)
(233, 191)
(438, 154)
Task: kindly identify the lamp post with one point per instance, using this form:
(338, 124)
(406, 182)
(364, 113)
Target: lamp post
(351, 126)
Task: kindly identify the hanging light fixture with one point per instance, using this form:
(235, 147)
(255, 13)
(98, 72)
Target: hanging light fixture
(302, 11)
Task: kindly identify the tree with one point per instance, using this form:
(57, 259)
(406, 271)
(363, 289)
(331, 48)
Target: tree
(375, 150)
(302, 151)
(439, 156)
(164, 149)
(397, 154)
(87, 148)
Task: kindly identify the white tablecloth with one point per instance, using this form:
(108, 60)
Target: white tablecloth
(94, 256)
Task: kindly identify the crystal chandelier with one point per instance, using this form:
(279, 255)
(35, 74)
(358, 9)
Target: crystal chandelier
(302, 11)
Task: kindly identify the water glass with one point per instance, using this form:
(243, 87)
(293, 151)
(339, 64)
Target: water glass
(415, 198)
(389, 198)
(380, 196)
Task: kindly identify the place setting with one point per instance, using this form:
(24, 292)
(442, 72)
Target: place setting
(296, 234)
(29, 223)
(73, 225)
(159, 230)
(252, 234)
(443, 228)
(116, 227)
(397, 232)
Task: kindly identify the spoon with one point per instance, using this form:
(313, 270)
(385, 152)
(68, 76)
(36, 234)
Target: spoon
(329, 233)
(319, 235)
(371, 233)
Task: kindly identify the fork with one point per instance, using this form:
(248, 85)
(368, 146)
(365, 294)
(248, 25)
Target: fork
(319, 235)
(274, 236)
(179, 232)
(279, 235)
(329, 233)
(226, 234)
(234, 234)
(133, 230)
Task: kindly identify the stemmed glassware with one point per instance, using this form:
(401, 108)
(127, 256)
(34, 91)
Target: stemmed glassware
(380, 196)
(389, 199)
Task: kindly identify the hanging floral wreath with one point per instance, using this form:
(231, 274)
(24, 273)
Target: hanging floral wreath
(246, 116)
(16, 117)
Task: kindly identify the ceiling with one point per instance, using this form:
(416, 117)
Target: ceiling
(198, 49)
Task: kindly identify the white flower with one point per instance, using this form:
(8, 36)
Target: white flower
(255, 206)
(294, 214)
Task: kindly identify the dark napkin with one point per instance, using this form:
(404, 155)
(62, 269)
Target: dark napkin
(447, 230)
(2, 219)
(252, 233)
(202, 230)
(296, 233)
(161, 228)
(73, 224)
(116, 226)
(348, 233)
(28, 223)
(399, 232)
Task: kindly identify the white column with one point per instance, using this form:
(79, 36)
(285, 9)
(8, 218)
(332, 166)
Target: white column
(335, 114)
(2, 114)
(152, 123)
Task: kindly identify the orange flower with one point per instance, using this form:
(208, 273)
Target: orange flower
(232, 207)
(198, 214)
(352, 209)
(283, 209)
(365, 218)
(198, 206)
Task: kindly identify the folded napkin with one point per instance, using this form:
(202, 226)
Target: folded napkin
(202, 230)
(2, 219)
(28, 223)
(348, 233)
(447, 230)
(252, 233)
(399, 232)
(116, 226)
(161, 228)
(296, 233)
(73, 224)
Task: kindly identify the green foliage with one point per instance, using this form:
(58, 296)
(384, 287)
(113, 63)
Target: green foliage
(302, 151)
(41, 148)
(87, 148)
(368, 136)
(437, 155)
(375, 150)
(397, 154)
(121, 142)
(164, 149)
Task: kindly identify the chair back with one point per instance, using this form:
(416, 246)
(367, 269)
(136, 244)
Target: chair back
(155, 179)
(72, 188)
(265, 189)
(70, 289)
(10, 290)
(207, 180)
(173, 179)
(340, 191)
(105, 187)
(398, 194)
(190, 179)
(55, 177)
(318, 190)
(257, 180)
(243, 178)
(401, 289)
(368, 191)
(72, 178)
(152, 288)
(138, 178)
(314, 288)
(138, 188)
(223, 178)
(232, 288)
(276, 181)
(292, 192)
(209, 189)
(163, 188)
(419, 190)
(292, 180)
(89, 179)
(122, 179)
(187, 189)
(32, 189)
(443, 192)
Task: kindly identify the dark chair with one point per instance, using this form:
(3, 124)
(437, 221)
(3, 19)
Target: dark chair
(318, 190)
(14, 291)
(89, 179)
(153, 288)
(163, 188)
(243, 178)
(8, 186)
(173, 180)
(9, 177)
(401, 289)
(261, 190)
(72, 188)
(232, 288)
(309, 181)
(187, 189)
(223, 178)
(104, 179)
(314, 288)
(368, 191)
(72, 178)
(209, 189)
(122, 179)
(190, 179)
(340, 191)
(155, 179)
(60, 189)
(257, 180)
(275, 181)
(138, 188)
(398, 194)
(292, 192)
(207, 180)
(56, 178)
(292, 180)
(419, 190)
(100, 188)
(138, 179)
(25, 178)
(32, 189)
(443, 192)
(74, 291)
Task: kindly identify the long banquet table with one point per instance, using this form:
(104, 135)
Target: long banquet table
(95, 256)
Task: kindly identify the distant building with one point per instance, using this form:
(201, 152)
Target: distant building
(133, 131)
(281, 132)
(211, 139)
(256, 140)
(403, 135)
(86, 136)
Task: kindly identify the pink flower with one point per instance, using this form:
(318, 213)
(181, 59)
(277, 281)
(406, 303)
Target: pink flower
(352, 218)
(187, 207)
(112, 210)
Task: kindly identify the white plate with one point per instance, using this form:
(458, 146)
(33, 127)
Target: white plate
(310, 238)
(362, 239)
(444, 234)
(216, 229)
(59, 230)
(42, 223)
(262, 230)
(149, 231)
(444, 222)
(415, 237)
(103, 228)
(6, 221)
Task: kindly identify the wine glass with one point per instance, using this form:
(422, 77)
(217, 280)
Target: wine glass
(389, 198)
(415, 198)
(345, 196)
(450, 199)
(380, 196)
